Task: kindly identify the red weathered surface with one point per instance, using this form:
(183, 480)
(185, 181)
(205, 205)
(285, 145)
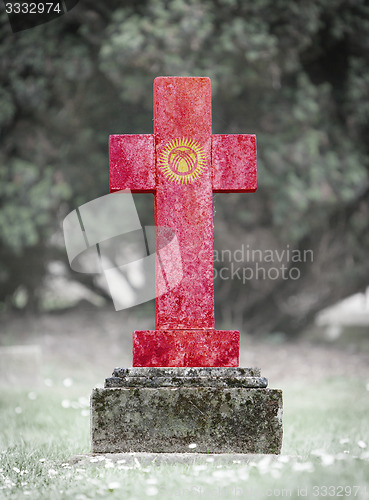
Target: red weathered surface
(132, 163)
(234, 163)
(185, 348)
(183, 164)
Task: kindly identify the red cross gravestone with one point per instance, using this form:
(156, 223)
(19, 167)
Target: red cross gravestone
(183, 164)
(185, 391)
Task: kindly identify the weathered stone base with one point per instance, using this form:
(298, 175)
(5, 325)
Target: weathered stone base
(220, 414)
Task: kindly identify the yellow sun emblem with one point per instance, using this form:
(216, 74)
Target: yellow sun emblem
(182, 160)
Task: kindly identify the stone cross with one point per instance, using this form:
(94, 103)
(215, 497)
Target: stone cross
(183, 164)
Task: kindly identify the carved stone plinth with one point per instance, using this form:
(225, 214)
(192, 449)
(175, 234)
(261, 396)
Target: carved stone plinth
(169, 410)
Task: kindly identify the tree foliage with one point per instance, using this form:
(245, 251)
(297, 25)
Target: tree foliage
(294, 73)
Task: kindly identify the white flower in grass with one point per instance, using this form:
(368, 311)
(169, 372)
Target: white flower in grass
(344, 440)
(15, 469)
(65, 403)
(121, 461)
(109, 465)
(277, 465)
(94, 459)
(219, 474)
(264, 464)
(84, 402)
(8, 482)
(192, 446)
(199, 467)
(114, 485)
(67, 382)
(210, 459)
(85, 413)
(303, 467)
(152, 491)
(124, 467)
(18, 410)
(52, 472)
(341, 456)
(275, 473)
(327, 460)
(318, 453)
(26, 492)
(42, 460)
(243, 474)
(361, 444)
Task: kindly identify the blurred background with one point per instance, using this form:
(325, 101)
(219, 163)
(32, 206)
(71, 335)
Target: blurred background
(296, 74)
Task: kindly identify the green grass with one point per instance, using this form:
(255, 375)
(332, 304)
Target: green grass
(325, 430)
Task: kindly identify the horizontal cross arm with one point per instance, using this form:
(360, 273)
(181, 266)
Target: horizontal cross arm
(234, 163)
(132, 163)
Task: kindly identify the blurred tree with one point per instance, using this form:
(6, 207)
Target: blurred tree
(296, 74)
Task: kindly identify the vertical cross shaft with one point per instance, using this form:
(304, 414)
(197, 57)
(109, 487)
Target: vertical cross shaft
(183, 200)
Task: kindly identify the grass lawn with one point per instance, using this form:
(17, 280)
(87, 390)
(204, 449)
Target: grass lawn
(325, 451)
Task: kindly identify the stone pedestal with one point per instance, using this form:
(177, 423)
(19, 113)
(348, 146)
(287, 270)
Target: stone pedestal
(170, 410)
